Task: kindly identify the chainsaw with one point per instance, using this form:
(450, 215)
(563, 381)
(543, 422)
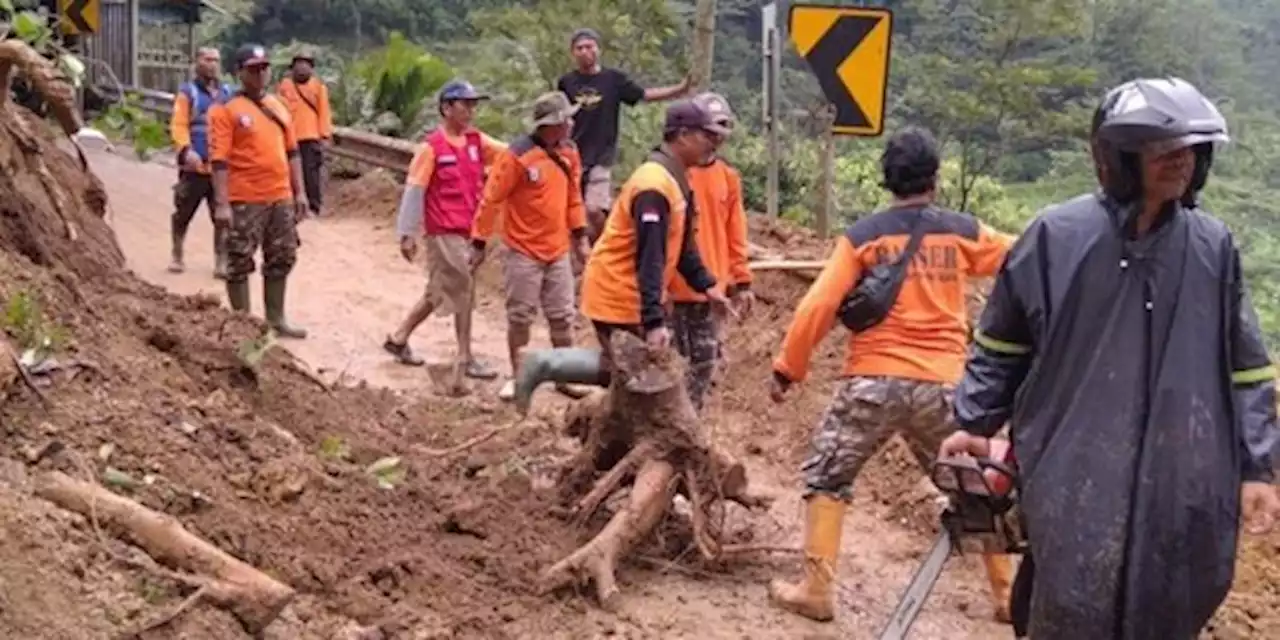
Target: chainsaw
(980, 517)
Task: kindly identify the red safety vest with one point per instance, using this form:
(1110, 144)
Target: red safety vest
(457, 181)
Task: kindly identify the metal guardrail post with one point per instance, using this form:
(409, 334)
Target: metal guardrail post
(361, 146)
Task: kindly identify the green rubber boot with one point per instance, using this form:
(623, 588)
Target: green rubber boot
(566, 365)
(238, 296)
(176, 264)
(219, 252)
(273, 290)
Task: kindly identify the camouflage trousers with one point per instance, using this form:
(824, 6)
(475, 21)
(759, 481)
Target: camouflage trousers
(191, 189)
(693, 329)
(270, 226)
(864, 413)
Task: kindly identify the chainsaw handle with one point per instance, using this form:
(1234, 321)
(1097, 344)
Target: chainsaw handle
(996, 478)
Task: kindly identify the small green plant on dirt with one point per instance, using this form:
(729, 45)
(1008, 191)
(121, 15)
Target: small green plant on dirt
(152, 592)
(334, 448)
(388, 472)
(25, 322)
(126, 120)
(251, 352)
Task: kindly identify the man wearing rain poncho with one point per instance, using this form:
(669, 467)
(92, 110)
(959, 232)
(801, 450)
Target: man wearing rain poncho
(1120, 344)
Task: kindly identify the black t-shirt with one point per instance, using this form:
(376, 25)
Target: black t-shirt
(595, 127)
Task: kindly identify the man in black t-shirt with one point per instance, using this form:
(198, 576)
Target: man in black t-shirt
(600, 93)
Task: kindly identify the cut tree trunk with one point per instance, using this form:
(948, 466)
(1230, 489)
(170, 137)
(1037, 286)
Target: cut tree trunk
(642, 432)
(252, 596)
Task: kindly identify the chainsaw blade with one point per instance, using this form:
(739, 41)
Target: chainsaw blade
(918, 591)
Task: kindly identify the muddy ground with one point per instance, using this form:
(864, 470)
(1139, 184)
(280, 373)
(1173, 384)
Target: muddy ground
(276, 472)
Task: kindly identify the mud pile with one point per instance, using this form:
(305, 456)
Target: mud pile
(371, 194)
(144, 393)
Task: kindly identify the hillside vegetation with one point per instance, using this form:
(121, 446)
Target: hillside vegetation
(1006, 84)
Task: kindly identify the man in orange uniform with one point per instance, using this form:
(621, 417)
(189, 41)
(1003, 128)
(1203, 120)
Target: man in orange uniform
(257, 185)
(534, 187)
(722, 243)
(900, 373)
(648, 238)
(308, 100)
(441, 196)
(189, 128)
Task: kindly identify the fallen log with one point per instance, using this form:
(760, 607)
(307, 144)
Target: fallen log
(642, 432)
(255, 598)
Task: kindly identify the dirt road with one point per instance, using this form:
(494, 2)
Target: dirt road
(350, 288)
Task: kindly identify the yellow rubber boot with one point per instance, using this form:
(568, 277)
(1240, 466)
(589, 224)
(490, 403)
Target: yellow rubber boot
(813, 597)
(1000, 570)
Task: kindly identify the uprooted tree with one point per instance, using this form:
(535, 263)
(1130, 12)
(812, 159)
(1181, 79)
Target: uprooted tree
(643, 432)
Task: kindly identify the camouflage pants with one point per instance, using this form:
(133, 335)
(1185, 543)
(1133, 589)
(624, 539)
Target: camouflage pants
(864, 413)
(270, 226)
(191, 189)
(694, 333)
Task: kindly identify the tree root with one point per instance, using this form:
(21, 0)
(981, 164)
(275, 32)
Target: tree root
(596, 560)
(645, 432)
(255, 598)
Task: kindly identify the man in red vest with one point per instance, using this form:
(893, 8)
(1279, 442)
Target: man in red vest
(441, 195)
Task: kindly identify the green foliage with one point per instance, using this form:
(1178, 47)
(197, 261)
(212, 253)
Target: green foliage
(1006, 85)
(402, 79)
(125, 120)
(26, 322)
(25, 23)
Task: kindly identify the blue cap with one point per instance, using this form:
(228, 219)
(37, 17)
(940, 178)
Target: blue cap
(460, 90)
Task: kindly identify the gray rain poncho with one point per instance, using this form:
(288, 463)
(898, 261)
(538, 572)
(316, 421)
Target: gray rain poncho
(1140, 395)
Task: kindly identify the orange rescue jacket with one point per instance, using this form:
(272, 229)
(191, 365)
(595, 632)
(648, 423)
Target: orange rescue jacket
(647, 239)
(721, 231)
(925, 335)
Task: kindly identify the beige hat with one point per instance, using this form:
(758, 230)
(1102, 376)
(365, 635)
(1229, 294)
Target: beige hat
(552, 108)
(718, 112)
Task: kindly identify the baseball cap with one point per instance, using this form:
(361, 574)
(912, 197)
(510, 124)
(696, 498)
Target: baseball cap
(584, 32)
(304, 54)
(460, 90)
(686, 114)
(552, 108)
(717, 108)
(251, 55)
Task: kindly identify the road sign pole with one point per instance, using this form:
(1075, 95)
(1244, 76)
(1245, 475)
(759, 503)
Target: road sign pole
(771, 42)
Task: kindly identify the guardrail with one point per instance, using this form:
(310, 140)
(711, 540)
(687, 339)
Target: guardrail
(361, 146)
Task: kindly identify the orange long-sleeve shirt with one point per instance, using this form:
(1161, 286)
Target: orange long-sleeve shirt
(254, 149)
(180, 122)
(309, 105)
(540, 203)
(924, 337)
(721, 231)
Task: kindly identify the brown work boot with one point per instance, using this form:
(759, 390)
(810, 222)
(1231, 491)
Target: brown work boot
(1000, 571)
(814, 596)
